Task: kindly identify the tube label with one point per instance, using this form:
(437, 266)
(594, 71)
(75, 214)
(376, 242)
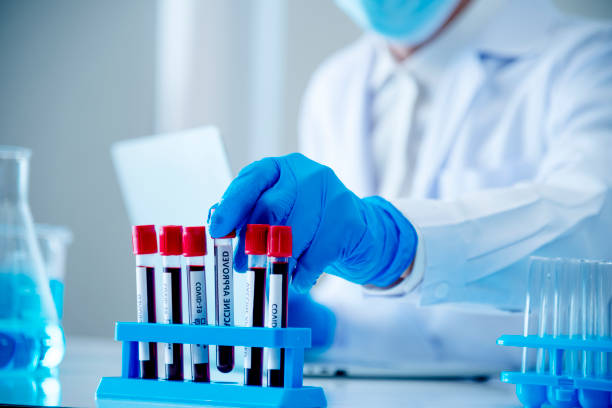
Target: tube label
(224, 282)
(274, 318)
(199, 352)
(167, 310)
(141, 308)
(250, 298)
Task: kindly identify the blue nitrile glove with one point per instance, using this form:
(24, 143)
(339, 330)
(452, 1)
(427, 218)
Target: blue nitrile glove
(366, 241)
(305, 312)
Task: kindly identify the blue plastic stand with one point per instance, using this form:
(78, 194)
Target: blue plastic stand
(534, 389)
(130, 387)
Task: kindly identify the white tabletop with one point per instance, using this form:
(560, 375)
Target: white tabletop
(89, 359)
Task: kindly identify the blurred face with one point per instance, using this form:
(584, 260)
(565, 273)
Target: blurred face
(405, 23)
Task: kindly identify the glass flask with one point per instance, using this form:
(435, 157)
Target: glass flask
(54, 241)
(30, 334)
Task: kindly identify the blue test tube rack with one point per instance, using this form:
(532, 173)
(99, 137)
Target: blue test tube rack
(131, 388)
(535, 389)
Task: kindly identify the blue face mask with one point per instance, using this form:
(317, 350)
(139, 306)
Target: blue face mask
(408, 22)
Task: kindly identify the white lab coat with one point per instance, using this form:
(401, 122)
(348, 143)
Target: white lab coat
(516, 160)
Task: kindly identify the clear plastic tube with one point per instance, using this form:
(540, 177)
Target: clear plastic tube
(603, 295)
(277, 316)
(145, 303)
(547, 312)
(255, 315)
(588, 312)
(173, 313)
(196, 282)
(572, 291)
(224, 301)
(531, 356)
(568, 298)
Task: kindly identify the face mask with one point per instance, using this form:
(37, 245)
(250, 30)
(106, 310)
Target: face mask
(408, 22)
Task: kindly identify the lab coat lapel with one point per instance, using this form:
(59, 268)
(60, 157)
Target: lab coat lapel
(450, 108)
(354, 145)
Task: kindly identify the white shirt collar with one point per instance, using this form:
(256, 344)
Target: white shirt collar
(505, 28)
(429, 62)
(520, 27)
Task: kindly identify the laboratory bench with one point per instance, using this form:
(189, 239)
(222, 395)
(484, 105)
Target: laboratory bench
(89, 359)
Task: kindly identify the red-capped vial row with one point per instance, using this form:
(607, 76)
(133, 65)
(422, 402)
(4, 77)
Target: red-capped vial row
(175, 242)
(267, 247)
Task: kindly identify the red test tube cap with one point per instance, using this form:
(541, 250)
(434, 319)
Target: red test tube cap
(279, 241)
(194, 241)
(230, 235)
(171, 240)
(144, 239)
(256, 242)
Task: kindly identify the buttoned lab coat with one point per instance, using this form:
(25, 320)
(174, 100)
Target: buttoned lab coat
(516, 161)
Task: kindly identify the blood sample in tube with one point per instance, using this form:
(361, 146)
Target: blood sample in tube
(256, 247)
(279, 252)
(224, 301)
(171, 249)
(144, 242)
(194, 250)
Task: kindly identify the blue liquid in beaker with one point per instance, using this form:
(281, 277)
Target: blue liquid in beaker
(28, 339)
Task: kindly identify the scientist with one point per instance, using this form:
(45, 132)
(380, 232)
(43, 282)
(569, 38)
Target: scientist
(464, 137)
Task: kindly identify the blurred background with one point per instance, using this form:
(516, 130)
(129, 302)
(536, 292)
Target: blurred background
(77, 76)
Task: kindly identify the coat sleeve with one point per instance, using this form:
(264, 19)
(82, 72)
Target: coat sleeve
(475, 249)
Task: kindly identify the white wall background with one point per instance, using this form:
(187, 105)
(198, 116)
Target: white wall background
(76, 76)
(243, 66)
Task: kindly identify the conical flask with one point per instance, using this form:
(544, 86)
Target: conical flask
(30, 335)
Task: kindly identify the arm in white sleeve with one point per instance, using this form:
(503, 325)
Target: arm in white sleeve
(474, 249)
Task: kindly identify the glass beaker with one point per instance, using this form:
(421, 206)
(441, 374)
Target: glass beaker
(30, 335)
(54, 241)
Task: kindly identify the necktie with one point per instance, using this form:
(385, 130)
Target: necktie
(394, 136)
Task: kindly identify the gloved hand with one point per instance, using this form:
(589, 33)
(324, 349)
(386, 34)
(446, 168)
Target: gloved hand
(366, 241)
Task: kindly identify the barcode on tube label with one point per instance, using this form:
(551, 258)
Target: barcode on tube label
(199, 352)
(250, 290)
(224, 269)
(250, 294)
(274, 318)
(168, 354)
(167, 297)
(141, 308)
(167, 309)
(247, 357)
(143, 351)
(274, 359)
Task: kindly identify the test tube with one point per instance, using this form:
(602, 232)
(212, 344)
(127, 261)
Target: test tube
(256, 247)
(224, 301)
(603, 285)
(588, 313)
(531, 356)
(279, 252)
(596, 315)
(546, 359)
(194, 250)
(171, 247)
(570, 298)
(144, 243)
